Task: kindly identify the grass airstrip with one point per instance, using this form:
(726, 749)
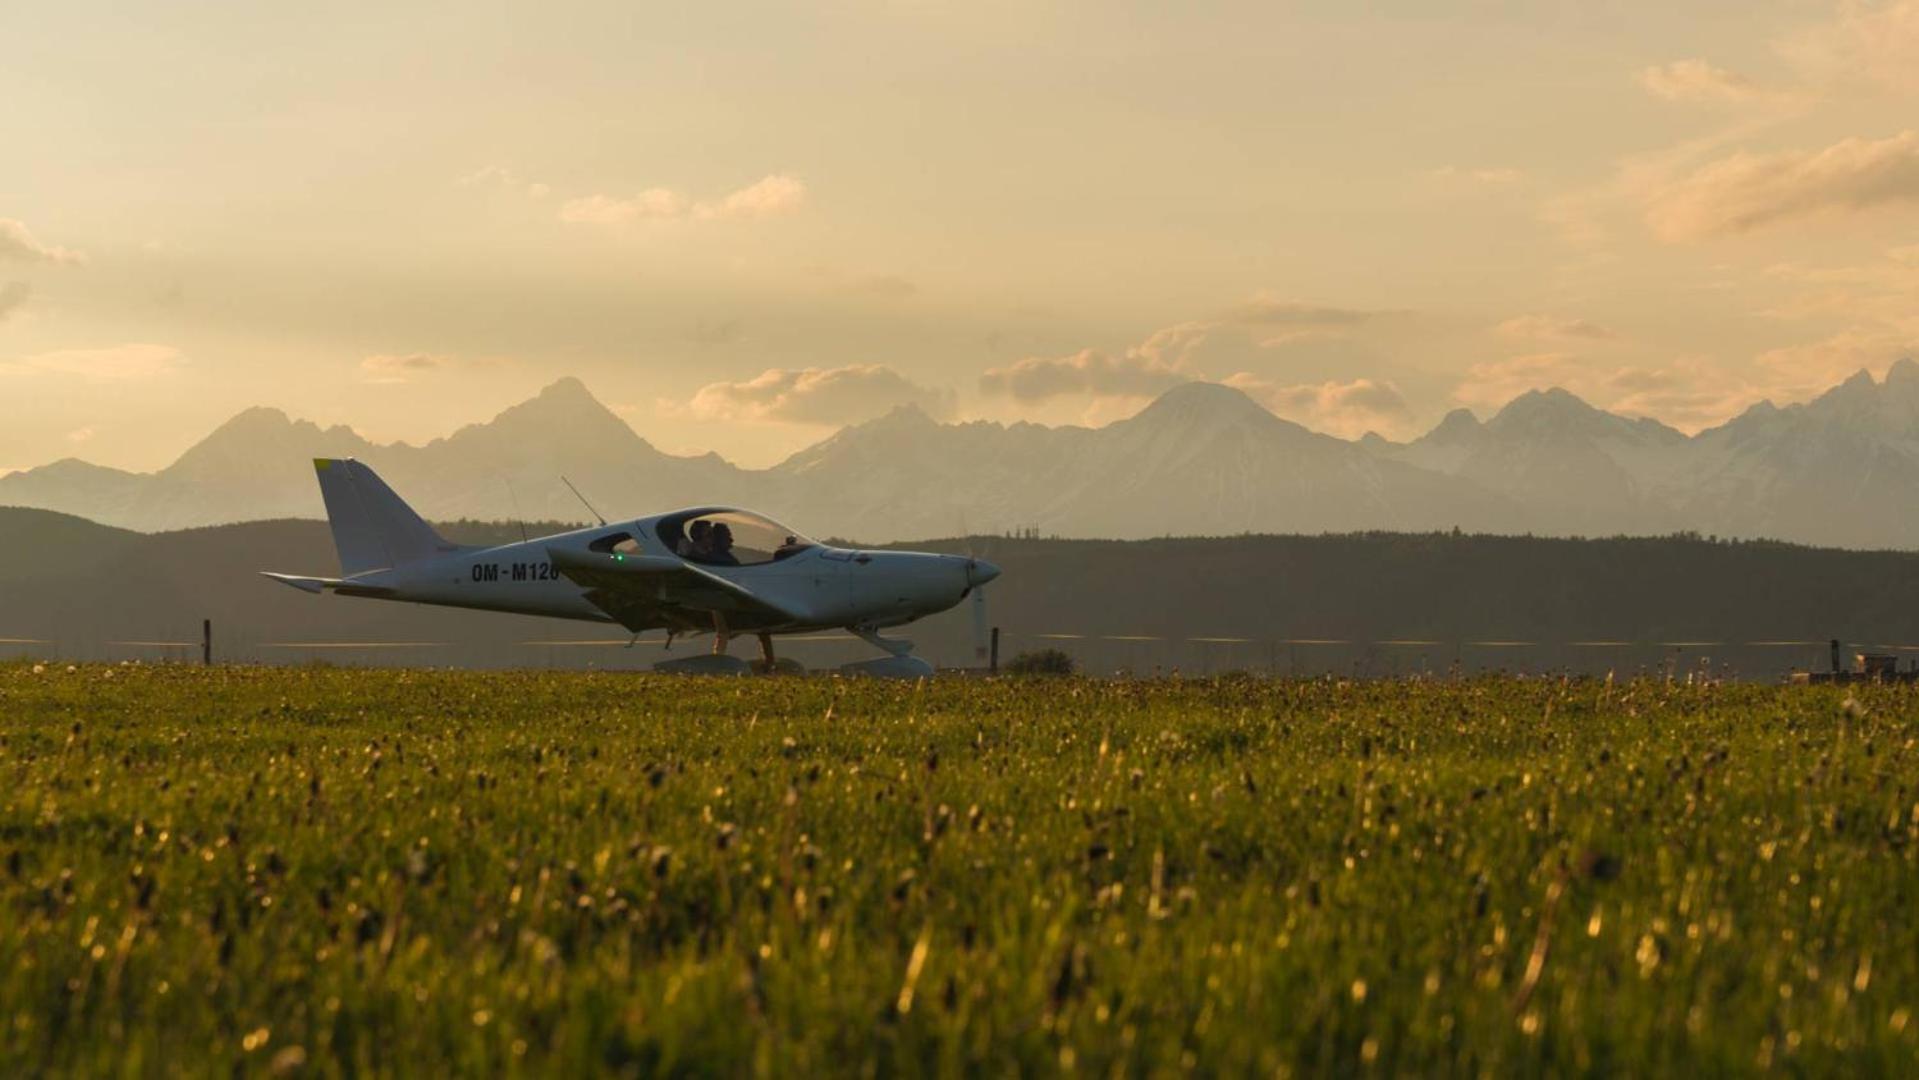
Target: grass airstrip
(311, 871)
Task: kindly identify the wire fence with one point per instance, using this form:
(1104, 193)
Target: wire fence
(1137, 652)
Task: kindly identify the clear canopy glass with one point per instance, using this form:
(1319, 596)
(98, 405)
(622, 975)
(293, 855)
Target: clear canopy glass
(730, 538)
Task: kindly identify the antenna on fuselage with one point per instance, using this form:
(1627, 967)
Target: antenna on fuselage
(521, 518)
(582, 498)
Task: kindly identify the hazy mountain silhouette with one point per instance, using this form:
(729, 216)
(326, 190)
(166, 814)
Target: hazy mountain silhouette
(256, 466)
(1202, 459)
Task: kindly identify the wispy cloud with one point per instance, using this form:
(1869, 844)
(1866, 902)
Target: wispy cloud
(1687, 392)
(771, 195)
(13, 297)
(820, 396)
(613, 210)
(1864, 43)
(1699, 81)
(401, 367)
(1346, 409)
(1159, 363)
(776, 194)
(394, 368)
(17, 243)
(1744, 192)
(118, 363)
(1552, 328)
(1266, 309)
(499, 176)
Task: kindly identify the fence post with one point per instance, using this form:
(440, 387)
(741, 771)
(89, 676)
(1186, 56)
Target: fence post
(992, 663)
(206, 642)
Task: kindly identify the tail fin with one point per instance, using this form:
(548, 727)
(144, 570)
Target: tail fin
(373, 529)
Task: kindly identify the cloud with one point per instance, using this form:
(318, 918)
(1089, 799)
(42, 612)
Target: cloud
(391, 368)
(1552, 328)
(1088, 371)
(1799, 372)
(822, 396)
(1268, 310)
(1159, 363)
(1687, 392)
(653, 203)
(401, 367)
(13, 296)
(1744, 192)
(1870, 43)
(1346, 409)
(17, 243)
(1698, 81)
(1882, 292)
(80, 435)
(776, 194)
(118, 363)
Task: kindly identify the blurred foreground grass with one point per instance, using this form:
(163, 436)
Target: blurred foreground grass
(318, 871)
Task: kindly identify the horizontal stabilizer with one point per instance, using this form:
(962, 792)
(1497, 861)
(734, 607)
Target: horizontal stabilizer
(304, 584)
(327, 584)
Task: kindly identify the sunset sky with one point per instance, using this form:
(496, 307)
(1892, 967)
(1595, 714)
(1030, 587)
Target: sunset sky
(744, 225)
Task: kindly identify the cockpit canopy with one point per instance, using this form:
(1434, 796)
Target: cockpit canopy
(729, 538)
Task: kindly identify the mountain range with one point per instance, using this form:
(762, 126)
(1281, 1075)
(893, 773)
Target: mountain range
(1202, 459)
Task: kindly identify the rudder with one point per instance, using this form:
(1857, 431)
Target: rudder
(373, 528)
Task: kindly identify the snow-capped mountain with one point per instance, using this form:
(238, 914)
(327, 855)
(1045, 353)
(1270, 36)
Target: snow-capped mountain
(255, 466)
(1840, 469)
(1574, 468)
(1203, 459)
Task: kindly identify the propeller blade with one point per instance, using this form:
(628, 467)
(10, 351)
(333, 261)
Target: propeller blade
(979, 624)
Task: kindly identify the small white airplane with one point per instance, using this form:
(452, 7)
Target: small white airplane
(713, 569)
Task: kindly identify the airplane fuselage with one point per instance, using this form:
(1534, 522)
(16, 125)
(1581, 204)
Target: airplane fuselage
(824, 586)
(714, 569)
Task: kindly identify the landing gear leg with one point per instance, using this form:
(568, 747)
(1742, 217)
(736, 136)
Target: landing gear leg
(890, 646)
(766, 653)
(899, 663)
(721, 636)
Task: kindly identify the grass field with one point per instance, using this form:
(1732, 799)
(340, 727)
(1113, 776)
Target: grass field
(316, 871)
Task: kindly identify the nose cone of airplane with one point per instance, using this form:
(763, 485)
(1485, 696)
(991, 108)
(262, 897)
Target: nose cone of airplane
(979, 572)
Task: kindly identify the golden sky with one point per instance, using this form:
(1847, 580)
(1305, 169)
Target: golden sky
(745, 224)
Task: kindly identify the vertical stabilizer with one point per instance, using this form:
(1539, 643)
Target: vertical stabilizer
(373, 529)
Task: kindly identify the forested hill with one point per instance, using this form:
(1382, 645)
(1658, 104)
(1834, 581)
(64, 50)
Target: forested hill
(1372, 602)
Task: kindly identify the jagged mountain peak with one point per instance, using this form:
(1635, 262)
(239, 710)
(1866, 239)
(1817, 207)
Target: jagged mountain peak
(1202, 402)
(563, 415)
(1552, 401)
(1557, 414)
(567, 388)
(256, 416)
(1458, 427)
(907, 417)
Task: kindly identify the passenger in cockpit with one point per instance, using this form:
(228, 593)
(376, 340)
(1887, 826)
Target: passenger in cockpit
(721, 539)
(697, 544)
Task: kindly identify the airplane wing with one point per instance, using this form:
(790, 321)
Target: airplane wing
(642, 592)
